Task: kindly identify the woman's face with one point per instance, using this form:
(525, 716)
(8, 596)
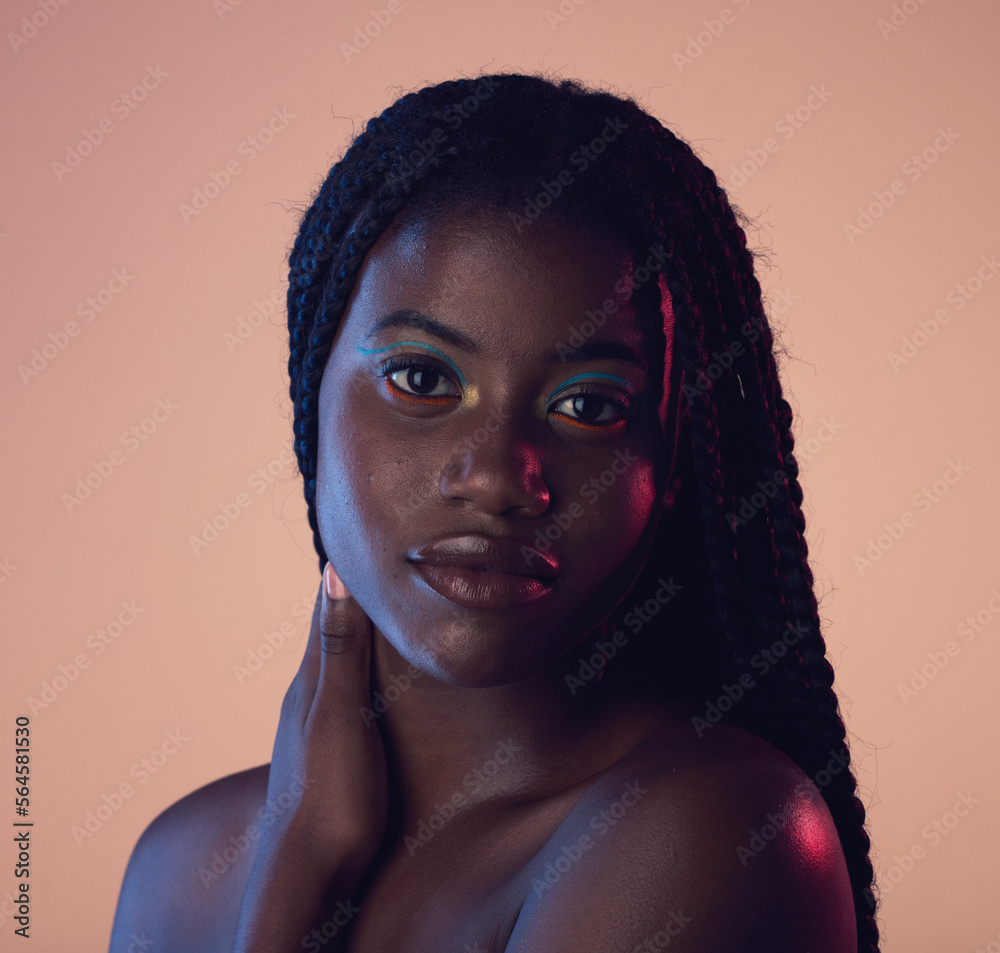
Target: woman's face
(492, 461)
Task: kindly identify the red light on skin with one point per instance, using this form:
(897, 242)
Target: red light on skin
(811, 837)
(808, 837)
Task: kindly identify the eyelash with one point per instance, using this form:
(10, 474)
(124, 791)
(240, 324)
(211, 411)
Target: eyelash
(403, 363)
(623, 405)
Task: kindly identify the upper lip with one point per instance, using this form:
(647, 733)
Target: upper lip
(475, 550)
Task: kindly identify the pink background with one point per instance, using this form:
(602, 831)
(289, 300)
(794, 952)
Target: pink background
(873, 435)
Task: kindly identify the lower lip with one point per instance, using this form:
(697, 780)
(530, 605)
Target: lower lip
(479, 589)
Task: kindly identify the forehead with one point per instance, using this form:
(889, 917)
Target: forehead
(504, 282)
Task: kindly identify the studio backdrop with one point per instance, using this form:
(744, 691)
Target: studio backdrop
(157, 575)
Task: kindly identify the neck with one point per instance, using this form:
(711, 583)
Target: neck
(471, 746)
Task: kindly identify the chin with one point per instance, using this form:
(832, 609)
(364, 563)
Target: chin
(464, 655)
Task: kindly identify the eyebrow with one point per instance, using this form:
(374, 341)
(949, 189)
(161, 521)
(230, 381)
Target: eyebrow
(588, 351)
(406, 318)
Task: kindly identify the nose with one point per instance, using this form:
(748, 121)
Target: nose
(495, 469)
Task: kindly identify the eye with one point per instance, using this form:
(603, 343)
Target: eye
(418, 379)
(595, 409)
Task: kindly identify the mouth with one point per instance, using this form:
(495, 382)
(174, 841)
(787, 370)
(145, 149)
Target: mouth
(482, 572)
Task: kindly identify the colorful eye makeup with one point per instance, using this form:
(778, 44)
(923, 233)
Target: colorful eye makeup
(622, 404)
(426, 347)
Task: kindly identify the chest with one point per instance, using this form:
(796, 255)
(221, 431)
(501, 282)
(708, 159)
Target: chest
(458, 888)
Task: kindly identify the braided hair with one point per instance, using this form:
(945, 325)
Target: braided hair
(746, 614)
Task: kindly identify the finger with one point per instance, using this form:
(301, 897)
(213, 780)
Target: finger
(345, 649)
(308, 673)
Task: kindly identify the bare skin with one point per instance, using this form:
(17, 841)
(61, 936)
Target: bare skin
(487, 807)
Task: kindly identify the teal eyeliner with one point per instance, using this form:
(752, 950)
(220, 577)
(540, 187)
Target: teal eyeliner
(427, 347)
(461, 377)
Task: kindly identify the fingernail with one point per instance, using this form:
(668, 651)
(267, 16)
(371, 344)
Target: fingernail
(335, 589)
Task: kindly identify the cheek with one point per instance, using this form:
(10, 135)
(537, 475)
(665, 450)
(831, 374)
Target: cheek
(364, 485)
(345, 470)
(612, 509)
(358, 520)
(641, 491)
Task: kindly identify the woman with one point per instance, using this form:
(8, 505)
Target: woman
(565, 687)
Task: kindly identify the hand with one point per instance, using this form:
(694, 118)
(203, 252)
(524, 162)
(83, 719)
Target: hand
(332, 764)
(326, 757)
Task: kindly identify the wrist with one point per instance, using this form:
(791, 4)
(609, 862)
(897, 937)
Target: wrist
(287, 900)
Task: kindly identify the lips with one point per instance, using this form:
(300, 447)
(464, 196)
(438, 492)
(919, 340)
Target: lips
(484, 572)
(488, 554)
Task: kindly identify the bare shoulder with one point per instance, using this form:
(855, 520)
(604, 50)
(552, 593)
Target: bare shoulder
(716, 842)
(185, 880)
